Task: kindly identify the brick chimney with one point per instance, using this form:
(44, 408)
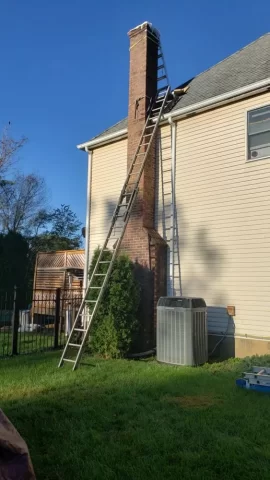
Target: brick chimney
(143, 245)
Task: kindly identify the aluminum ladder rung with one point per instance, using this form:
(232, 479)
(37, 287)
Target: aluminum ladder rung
(148, 135)
(74, 345)
(80, 330)
(137, 164)
(100, 274)
(68, 360)
(105, 261)
(161, 97)
(161, 89)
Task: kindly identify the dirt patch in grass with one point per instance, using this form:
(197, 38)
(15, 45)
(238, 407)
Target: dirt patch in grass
(193, 401)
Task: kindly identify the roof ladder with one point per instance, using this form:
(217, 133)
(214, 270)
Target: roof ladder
(97, 284)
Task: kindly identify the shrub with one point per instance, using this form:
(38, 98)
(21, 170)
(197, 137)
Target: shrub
(116, 320)
(105, 341)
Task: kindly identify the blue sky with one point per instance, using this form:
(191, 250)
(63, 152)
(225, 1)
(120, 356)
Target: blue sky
(64, 70)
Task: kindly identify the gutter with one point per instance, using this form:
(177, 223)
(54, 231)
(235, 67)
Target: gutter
(104, 139)
(225, 98)
(87, 222)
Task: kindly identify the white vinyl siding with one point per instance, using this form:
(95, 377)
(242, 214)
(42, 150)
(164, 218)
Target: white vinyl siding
(163, 192)
(223, 217)
(109, 169)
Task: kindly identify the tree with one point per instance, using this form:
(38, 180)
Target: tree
(61, 230)
(9, 147)
(22, 203)
(66, 225)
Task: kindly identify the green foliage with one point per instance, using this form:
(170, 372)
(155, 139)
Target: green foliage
(61, 231)
(51, 243)
(105, 339)
(66, 225)
(124, 298)
(116, 321)
(13, 260)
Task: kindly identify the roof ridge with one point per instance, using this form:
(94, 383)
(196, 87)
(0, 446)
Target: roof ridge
(232, 55)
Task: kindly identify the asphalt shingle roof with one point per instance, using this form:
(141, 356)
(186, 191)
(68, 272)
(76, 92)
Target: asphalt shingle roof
(115, 128)
(248, 65)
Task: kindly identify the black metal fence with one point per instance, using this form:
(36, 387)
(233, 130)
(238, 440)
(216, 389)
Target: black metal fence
(36, 321)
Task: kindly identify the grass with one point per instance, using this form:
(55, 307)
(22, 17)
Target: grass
(137, 420)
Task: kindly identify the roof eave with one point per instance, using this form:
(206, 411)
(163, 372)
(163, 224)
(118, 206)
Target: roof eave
(219, 100)
(97, 142)
(195, 108)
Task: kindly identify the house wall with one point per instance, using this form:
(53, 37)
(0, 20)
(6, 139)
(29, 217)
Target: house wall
(109, 167)
(163, 195)
(222, 215)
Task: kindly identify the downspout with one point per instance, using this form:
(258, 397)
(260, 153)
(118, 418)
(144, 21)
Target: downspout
(87, 222)
(173, 160)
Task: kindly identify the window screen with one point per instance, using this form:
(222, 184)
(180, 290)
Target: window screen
(259, 133)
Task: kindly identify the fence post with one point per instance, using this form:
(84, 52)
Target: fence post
(15, 324)
(57, 317)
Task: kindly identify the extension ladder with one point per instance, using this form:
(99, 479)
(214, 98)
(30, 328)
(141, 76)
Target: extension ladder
(258, 379)
(97, 284)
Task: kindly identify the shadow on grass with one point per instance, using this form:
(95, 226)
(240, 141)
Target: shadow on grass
(138, 420)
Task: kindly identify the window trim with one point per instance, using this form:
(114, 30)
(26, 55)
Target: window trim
(251, 109)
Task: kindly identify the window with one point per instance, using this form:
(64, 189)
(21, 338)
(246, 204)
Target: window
(259, 133)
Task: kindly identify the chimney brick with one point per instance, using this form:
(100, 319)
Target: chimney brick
(136, 242)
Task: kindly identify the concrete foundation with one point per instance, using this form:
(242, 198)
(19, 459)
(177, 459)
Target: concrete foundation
(237, 347)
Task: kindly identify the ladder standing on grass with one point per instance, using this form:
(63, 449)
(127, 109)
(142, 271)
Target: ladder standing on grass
(81, 328)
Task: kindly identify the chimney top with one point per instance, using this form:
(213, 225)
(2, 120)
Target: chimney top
(144, 26)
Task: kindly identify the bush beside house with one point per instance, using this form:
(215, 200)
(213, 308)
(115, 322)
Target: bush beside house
(116, 323)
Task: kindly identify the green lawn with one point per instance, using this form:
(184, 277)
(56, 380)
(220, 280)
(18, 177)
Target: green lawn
(137, 420)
